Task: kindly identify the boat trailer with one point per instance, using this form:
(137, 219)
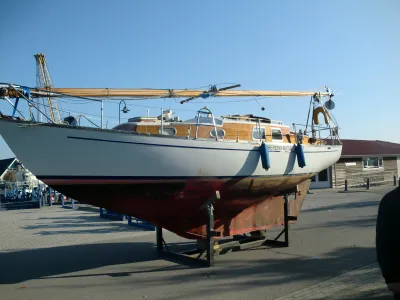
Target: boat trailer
(209, 247)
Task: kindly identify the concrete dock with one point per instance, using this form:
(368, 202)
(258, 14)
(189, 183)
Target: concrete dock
(56, 253)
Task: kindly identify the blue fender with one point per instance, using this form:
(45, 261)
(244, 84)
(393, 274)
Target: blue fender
(300, 156)
(265, 158)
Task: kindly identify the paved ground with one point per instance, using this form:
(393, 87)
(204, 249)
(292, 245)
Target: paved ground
(55, 253)
(55, 226)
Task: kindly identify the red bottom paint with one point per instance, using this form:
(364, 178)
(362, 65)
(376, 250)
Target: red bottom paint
(245, 205)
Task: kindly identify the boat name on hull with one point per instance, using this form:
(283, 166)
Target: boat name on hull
(280, 148)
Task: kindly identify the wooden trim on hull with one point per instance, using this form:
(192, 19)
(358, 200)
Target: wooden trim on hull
(246, 204)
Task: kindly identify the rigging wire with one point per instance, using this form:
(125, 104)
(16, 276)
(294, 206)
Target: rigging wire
(167, 97)
(75, 101)
(92, 116)
(309, 111)
(155, 107)
(233, 101)
(149, 106)
(82, 100)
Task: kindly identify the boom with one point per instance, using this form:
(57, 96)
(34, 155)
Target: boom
(104, 93)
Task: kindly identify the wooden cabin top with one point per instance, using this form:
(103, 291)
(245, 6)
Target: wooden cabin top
(241, 128)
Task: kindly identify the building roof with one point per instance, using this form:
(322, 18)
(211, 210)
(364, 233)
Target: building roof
(5, 164)
(353, 148)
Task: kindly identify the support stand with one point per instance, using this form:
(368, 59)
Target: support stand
(194, 256)
(208, 206)
(212, 247)
(210, 234)
(286, 224)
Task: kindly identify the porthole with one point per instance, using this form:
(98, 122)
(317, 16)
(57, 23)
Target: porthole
(168, 131)
(221, 133)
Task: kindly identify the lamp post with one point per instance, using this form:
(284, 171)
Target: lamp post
(124, 110)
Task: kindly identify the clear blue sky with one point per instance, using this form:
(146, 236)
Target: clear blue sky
(351, 46)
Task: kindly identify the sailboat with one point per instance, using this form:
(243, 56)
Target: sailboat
(162, 169)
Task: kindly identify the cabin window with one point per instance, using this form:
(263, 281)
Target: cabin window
(259, 133)
(206, 121)
(372, 162)
(276, 134)
(168, 131)
(221, 133)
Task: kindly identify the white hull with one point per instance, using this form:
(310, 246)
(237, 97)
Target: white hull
(64, 152)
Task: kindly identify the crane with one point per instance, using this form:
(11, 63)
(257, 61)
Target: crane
(43, 81)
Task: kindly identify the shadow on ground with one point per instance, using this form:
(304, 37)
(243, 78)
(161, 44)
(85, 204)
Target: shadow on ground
(360, 222)
(19, 266)
(349, 205)
(80, 224)
(246, 273)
